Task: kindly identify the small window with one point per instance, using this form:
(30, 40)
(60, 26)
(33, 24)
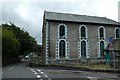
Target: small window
(83, 49)
(101, 31)
(117, 33)
(102, 48)
(83, 32)
(62, 50)
(62, 31)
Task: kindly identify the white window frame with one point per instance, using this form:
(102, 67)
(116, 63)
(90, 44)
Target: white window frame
(87, 50)
(115, 32)
(58, 35)
(83, 39)
(99, 55)
(66, 42)
(86, 33)
(99, 32)
(47, 33)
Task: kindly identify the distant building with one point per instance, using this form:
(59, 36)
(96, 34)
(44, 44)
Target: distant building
(76, 37)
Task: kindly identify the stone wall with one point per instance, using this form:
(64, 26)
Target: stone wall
(73, 38)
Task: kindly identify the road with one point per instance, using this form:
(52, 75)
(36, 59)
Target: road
(21, 71)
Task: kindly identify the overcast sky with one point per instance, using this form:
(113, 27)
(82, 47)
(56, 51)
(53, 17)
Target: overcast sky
(29, 15)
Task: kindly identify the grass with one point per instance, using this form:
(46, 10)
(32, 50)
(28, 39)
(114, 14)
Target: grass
(93, 66)
(100, 66)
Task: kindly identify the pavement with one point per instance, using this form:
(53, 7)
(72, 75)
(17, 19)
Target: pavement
(21, 71)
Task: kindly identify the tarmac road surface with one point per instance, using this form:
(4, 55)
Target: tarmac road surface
(21, 71)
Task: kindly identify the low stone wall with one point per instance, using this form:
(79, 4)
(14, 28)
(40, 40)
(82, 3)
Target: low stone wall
(87, 61)
(76, 61)
(64, 61)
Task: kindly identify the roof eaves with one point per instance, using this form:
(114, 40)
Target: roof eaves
(83, 22)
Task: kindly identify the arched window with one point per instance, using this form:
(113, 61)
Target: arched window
(62, 51)
(102, 48)
(83, 32)
(83, 49)
(101, 31)
(62, 31)
(117, 33)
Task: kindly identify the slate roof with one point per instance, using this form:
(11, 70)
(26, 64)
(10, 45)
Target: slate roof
(78, 18)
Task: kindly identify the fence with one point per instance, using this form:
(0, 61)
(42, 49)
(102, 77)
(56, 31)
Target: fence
(85, 61)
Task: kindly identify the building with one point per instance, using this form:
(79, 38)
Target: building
(68, 37)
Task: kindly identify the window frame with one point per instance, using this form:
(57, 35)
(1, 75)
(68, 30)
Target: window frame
(83, 32)
(84, 47)
(63, 46)
(61, 31)
(102, 47)
(117, 36)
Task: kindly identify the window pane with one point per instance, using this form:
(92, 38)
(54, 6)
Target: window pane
(83, 49)
(62, 49)
(102, 48)
(117, 33)
(83, 32)
(101, 33)
(62, 31)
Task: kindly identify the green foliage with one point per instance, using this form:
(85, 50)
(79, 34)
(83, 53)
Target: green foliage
(27, 42)
(10, 45)
(16, 42)
(9, 41)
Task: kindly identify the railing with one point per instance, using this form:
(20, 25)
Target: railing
(85, 61)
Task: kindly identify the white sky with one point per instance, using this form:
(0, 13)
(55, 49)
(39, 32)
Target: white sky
(28, 14)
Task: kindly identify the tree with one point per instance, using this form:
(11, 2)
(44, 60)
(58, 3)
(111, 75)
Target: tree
(10, 47)
(16, 42)
(27, 42)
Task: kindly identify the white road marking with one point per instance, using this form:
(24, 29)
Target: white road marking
(33, 71)
(42, 72)
(39, 70)
(11, 68)
(92, 78)
(38, 76)
(46, 76)
(36, 73)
